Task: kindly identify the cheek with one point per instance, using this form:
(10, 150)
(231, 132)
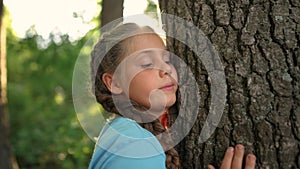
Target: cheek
(174, 74)
(140, 88)
(172, 101)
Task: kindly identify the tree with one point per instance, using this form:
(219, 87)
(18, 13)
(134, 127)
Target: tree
(5, 155)
(111, 10)
(258, 43)
(6, 158)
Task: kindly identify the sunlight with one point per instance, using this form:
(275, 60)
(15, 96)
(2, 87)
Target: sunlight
(133, 7)
(59, 16)
(55, 15)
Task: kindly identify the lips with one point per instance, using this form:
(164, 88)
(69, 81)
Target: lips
(168, 86)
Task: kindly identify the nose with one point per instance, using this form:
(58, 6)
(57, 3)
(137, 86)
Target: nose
(165, 69)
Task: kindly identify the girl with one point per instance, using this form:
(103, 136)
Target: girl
(135, 81)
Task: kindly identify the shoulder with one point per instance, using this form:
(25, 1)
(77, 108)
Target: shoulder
(128, 127)
(123, 134)
(124, 142)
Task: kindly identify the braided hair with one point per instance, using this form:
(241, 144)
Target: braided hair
(106, 56)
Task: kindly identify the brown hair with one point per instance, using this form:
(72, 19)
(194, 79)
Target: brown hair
(106, 56)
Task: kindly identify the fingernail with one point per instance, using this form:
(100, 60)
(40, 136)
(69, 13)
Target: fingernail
(240, 147)
(252, 158)
(230, 149)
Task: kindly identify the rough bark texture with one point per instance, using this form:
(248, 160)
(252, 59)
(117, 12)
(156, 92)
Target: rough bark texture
(258, 42)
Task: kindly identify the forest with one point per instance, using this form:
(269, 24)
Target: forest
(44, 129)
(45, 132)
(258, 43)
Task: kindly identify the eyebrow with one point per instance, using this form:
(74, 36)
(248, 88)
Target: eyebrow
(150, 51)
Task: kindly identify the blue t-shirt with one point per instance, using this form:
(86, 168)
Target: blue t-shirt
(123, 143)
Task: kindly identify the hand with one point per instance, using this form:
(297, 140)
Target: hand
(233, 159)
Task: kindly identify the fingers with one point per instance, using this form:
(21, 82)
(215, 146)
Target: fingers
(238, 157)
(226, 163)
(233, 159)
(210, 167)
(250, 161)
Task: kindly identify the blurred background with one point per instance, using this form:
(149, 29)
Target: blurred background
(43, 41)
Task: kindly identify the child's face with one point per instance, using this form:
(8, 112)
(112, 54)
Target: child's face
(150, 76)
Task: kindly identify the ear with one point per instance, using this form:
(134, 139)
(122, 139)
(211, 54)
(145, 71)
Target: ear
(111, 83)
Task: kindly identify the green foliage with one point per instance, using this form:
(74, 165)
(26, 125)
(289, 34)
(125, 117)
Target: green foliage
(151, 8)
(45, 132)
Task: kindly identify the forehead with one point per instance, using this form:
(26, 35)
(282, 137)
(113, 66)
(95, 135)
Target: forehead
(145, 41)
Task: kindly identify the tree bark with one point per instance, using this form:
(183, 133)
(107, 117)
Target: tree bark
(111, 10)
(7, 160)
(258, 43)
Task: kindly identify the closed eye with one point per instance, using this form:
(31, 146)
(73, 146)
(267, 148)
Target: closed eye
(168, 62)
(147, 65)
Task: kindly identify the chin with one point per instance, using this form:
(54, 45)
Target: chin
(171, 102)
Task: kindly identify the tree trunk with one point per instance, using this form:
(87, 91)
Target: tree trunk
(111, 10)
(6, 158)
(258, 44)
